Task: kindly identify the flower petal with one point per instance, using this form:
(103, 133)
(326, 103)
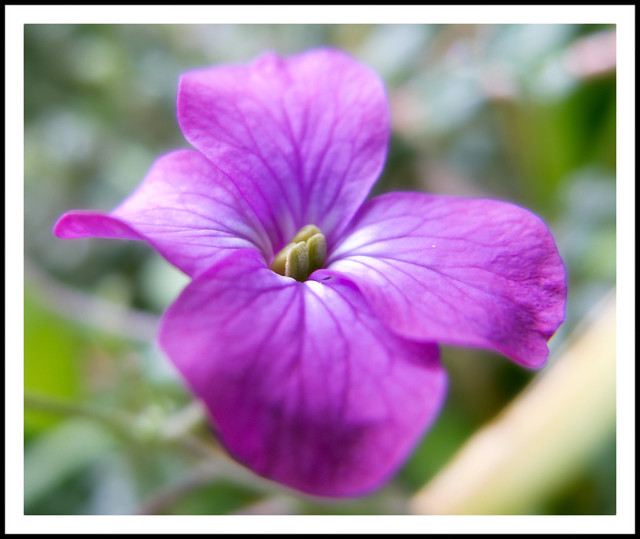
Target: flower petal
(304, 138)
(305, 386)
(460, 271)
(185, 208)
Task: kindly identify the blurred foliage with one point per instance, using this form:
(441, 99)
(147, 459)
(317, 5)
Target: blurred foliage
(524, 113)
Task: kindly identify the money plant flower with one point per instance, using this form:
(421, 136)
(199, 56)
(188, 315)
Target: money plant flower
(311, 325)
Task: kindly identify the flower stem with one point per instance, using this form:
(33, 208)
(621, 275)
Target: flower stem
(90, 311)
(175, 432)
(545, 436)
(165, 499)
(56, 406)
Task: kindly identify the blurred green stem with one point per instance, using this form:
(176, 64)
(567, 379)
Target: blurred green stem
(162, 501)
(54, 405)
(544, 438)
(148, 426)
(89, 310)
(173, 431)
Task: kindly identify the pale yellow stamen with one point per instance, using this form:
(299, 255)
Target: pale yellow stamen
(305, 253)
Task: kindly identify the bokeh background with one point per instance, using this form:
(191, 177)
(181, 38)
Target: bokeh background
(524, 113)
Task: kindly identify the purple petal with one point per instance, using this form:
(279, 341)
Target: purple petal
(304, 384)
(457, 271)
(185, 208)
(304, 138)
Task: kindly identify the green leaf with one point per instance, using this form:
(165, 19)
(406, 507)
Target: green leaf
(51, 351)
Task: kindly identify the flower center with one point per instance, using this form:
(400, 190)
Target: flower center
(303, 255)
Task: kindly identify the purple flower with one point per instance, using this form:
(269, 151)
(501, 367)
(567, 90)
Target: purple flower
(314, 347)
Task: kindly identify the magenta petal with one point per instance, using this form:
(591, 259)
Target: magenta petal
(305, 386)
(304, 138)
(460, 271)
(185, 208)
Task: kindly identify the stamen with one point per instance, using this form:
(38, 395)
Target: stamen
(317, 252)
(305, 254)
(297, 265)
(305, 233)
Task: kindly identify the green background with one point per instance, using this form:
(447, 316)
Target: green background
(513, 112)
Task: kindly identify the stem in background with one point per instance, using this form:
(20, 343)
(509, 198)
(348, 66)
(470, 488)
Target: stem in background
(53, 405)
(90, 311)
(206, 473)
(272, 505)
(175, 432)
(164, 500)
(543, 438)
(170, 430)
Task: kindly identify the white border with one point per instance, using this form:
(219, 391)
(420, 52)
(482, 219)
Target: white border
(625, 264)
(622, 16)
(319, 14)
